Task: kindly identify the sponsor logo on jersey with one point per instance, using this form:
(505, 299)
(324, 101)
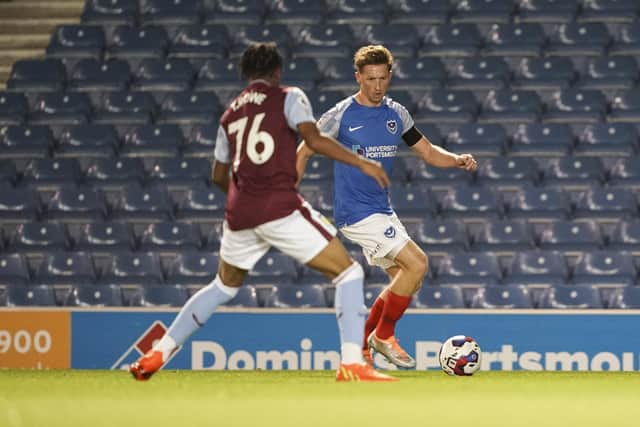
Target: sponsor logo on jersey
(392, 126)
(390, 232)
(355, 128)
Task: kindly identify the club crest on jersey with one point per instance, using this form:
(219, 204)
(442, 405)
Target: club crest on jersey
(390, 232)
(357, 149)
(392, 126)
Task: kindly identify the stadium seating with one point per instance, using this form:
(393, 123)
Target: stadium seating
(25, 296)
(291, 296)
(193, 268)
(13, 270)
(469, 269)
(496, 297)
(571, 296)
(439, 297)
(95, 296)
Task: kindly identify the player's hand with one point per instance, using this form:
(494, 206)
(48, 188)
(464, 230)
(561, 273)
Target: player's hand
(467, 162)
(376, 171)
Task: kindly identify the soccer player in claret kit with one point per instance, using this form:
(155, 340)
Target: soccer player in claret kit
(371, 123)
(256, 142)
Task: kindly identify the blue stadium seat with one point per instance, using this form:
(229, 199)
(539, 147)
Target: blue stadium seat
(439, 297)
(547, 11)
(579, 39)
(152, 141)
(625, 236)
(420, 12)
(69, 269)
(137, 204)
(14, 270)
(611, 268)
(609, 73)
(485, 73)
(575, 173)
(88, 140)
(101, 238)
(18, 205)
(170, 12)
(57, 108)
(412, 201)
(447, 106)
(213, 229)
(114, 173)
(22, 142)
(418, 74)
(625, 107)
(8, 172)
(217, 75)
(497, 296)
(247, 297)
(25, 296)
(324, 100)
(323, 41)
(540, 268)
(301, 72)
(371, 292)
(608, 11)
(193, 268)
(471, 203)
(76, 204)
(401, 39)
(480, 139)
(199, 41)
(178, 173)
(451, 40)
(439, 178)
(510, 106)
(92, 75)
(575, 106)
(76, 41)
(291, 296)
(441, 236)
(625, 298)
(50, 174)
(109, 12)
(189, 108)
(505, 172)
(126, 268)
(160, 296)
(171, 237)
(277, 33)
(627, 41)
(201, 204)
(319, 169)
(13, 108)
(172, 75)
(538, 139)
(544, 73)
(200, 141)
(295, 12)
(571, 297)
(338, 75)
(483, 11)
(520, 39)
(606, 204)
(130, 108)
(37, 75)
(478, 269)
(275, 266)
(138, 42)
(625, 173)
(33, 237)
(236, 12)
(95, 296)
(357, 12)
(539, 204)
(608, 140)
(508, 236)
(570, 236)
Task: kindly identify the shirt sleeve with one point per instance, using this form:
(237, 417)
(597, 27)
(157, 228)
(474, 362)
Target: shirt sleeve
(405, 116)
(297, 108)
(222, 152)
(329, 123)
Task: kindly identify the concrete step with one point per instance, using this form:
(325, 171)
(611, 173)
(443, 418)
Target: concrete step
(8, 57)
(34, 26)
(24, 41)
(4, 74)
(36, 9)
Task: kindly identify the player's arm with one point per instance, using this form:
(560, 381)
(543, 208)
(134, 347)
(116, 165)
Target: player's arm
(435, 155)
(303, 154)
(327, 146)
(222, 161)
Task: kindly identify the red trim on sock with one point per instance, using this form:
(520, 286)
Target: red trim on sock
(394, 308)
(372, 320)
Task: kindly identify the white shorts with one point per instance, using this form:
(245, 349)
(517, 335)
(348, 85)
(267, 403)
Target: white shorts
(302, 234)
(381, 237)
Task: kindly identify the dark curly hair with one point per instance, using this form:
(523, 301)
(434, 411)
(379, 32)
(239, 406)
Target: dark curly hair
(260, 60)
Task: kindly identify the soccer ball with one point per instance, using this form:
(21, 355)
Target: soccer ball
(460, 355)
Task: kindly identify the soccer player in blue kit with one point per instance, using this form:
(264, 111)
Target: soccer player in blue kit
(374, 125)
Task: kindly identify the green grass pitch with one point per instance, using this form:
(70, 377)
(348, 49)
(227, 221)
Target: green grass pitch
(304, 398)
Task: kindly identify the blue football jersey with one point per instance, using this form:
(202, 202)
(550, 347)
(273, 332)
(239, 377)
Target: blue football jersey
(373, 132)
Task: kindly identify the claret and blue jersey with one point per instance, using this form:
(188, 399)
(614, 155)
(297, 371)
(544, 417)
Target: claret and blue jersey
(375, 133)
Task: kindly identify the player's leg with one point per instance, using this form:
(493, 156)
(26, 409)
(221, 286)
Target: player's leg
(240, 250)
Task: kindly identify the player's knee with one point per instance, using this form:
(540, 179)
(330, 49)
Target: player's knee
(420, 266)
(353, 272)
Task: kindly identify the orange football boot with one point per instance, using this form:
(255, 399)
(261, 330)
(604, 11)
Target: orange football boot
(361, 372)
(147, 365)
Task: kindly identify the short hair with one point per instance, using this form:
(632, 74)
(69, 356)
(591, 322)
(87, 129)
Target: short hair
(372, 55)
(260, 60)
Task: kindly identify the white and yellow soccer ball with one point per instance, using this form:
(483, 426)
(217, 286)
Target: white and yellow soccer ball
(460, 355)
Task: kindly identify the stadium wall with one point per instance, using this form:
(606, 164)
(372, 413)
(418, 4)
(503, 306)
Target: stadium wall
(308, 339)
